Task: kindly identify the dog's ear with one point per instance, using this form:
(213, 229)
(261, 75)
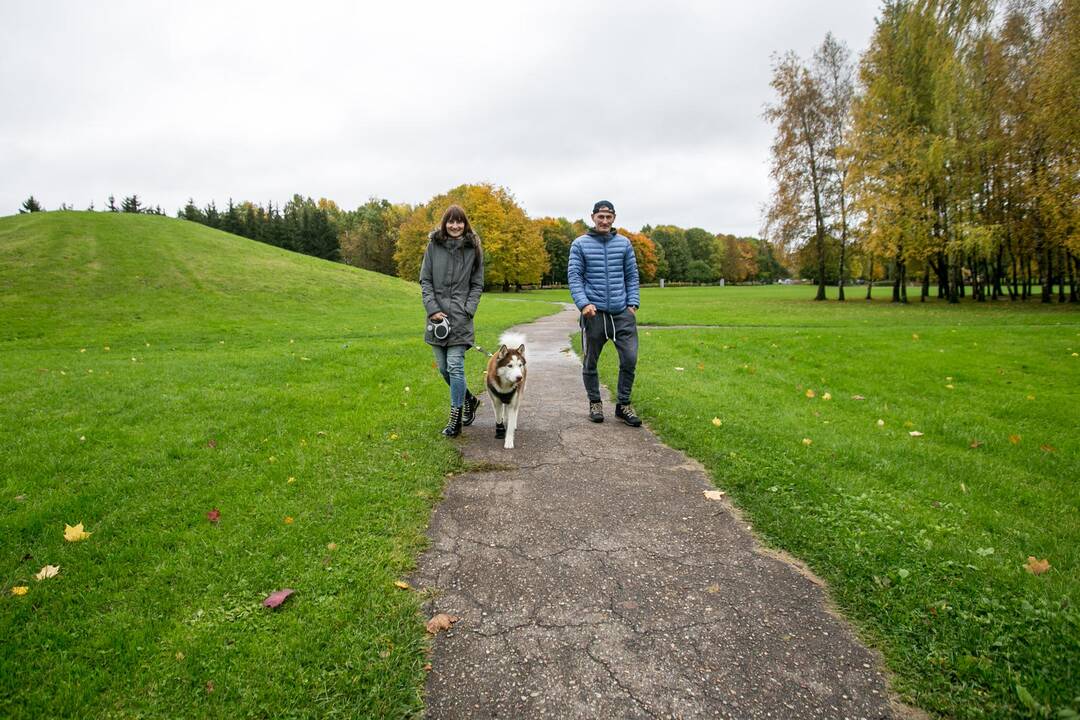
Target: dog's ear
(501, 352)
(521, 350)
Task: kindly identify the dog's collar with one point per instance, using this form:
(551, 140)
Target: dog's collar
(504, 397)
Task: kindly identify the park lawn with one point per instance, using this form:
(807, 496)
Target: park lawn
(153, 370)
(923, 540)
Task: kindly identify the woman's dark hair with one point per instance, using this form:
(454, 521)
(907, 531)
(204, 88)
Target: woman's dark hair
(456, 212)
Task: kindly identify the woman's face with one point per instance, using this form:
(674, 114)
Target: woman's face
(454, 227)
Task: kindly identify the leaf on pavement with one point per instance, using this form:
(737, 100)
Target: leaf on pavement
(714, 494)
(1035, 566)
(713, 589)
(75, 533)
(275, 599)
(48, 571)
(442, 621)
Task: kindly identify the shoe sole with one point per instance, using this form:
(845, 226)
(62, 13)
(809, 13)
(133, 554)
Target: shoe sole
(596, 420)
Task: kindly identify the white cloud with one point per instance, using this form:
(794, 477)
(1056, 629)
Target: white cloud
(656, 107)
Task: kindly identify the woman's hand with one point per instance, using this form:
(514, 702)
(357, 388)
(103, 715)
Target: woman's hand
(436, 317)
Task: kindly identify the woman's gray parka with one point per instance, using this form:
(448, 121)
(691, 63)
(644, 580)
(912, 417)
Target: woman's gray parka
(449, 282)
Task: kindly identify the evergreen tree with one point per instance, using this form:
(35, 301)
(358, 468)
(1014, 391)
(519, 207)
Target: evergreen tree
(111, 206)
(30, 205)
(131, 205)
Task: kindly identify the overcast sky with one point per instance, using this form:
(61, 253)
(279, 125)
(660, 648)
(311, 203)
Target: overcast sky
(655, 106)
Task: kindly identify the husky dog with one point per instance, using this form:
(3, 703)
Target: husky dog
(505, 380)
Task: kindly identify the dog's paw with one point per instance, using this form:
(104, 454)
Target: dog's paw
(509, 444)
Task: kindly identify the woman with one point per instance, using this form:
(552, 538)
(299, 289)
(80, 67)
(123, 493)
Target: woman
(451, 280)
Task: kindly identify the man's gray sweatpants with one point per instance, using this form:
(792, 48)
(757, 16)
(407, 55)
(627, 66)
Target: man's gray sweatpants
(620, 328)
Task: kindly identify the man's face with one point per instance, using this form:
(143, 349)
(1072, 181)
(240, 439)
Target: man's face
(603, 220)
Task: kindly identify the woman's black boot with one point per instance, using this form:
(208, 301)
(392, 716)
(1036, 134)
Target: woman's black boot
(453, 425)
(468, 412)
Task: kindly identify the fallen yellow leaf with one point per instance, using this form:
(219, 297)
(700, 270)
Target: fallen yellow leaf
(288, 520)
(1014, 439)
(807, 441)
(827, 396)
(402, 585)
(331, 546)
(713, 589)
(1034, 566)
(914, 336)
(75, 533)
(951, 386)
(714, 494)
(717, 422)
(290, 481)
(811, 393)
(915, 433)
(881, 423)
(19, 590)
(47, 572)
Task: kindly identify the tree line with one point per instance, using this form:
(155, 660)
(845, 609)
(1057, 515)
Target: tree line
(518, 251)
(946, 156)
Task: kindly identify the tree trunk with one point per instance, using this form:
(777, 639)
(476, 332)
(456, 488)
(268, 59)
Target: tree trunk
(870, 280)
(1073, 268)
(1062, 269)
(925, 284)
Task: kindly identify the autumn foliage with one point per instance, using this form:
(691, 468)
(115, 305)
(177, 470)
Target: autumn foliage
(514, 252)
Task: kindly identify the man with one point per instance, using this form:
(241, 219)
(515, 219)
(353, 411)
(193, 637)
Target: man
(603, 277)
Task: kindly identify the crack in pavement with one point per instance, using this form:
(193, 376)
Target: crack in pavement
(592, 553)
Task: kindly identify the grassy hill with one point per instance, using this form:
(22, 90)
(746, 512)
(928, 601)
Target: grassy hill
(153, 370)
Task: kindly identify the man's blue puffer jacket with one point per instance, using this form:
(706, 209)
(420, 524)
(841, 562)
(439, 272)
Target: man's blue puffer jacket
(603, 272)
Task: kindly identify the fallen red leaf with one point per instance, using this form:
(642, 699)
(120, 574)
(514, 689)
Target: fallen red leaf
(276, 598)
(214, 515)
(209, 686)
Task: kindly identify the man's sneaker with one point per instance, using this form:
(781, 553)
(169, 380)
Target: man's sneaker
(468, 410)
(627, 415)
(596, 411)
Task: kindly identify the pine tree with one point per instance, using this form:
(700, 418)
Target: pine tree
(131, 205)
(30, 205)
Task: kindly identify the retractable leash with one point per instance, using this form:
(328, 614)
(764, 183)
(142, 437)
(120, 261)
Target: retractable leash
(479, 349)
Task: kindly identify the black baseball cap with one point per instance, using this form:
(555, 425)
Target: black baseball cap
(603, 205)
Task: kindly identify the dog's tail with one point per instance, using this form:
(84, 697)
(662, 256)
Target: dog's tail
(512, 340)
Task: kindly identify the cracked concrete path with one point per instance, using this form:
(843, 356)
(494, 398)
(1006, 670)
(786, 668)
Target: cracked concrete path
(594, 580)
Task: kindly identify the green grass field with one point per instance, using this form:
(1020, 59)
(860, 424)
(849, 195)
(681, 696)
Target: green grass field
(152, 370)
(922, 539)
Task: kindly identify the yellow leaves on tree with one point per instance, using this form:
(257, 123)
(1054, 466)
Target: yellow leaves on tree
(514, 252)
(644, 252)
